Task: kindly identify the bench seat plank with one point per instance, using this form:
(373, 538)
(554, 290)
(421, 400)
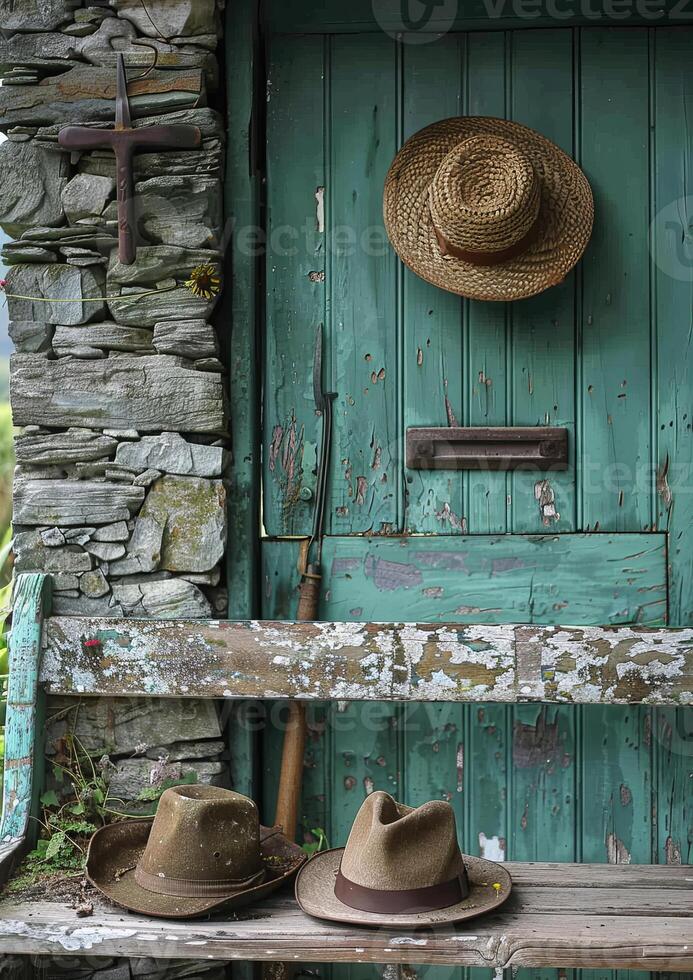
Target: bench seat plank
(367, 661)
(631, 918)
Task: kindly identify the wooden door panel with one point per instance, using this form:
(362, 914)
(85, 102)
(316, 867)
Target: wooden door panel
(606, 354)
(295, 277)
(672, 110)
(402, 352)
(614, 453)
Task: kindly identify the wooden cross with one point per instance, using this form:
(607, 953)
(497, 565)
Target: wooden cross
(124, 140)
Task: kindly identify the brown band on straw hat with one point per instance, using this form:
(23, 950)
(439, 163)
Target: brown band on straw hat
(488, 258)
(487, 208)
(426, 899)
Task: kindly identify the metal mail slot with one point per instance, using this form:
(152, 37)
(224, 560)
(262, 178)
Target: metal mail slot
(512, 448)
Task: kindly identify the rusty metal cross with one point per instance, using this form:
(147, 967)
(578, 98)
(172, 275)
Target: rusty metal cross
(124, 140)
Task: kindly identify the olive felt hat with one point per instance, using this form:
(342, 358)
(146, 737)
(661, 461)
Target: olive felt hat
(401, 867)
(204, 850)
(487, 208)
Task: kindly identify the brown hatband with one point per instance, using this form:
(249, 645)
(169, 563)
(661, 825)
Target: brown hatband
(189, 888)
(488, 258)
(406, 900)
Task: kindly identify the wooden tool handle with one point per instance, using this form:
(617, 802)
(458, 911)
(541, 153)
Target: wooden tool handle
(126, 205)
(291, 776)
(309, 595)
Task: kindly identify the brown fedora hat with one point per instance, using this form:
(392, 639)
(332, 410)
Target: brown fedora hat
(487, 208)
(204, 850)
(401, 867)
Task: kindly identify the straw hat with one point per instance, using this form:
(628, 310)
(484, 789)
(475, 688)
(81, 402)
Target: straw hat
(487, 208)
(401, 867)
(204, 850)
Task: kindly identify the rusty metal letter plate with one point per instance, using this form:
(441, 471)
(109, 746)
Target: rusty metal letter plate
(513, 448)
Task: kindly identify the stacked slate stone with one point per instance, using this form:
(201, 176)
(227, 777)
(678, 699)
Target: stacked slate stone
(119, 490)
(117, 383)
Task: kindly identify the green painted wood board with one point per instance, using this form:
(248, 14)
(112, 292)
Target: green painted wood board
(24, 726)
(672, 282)
(593, 579)
(614, 450)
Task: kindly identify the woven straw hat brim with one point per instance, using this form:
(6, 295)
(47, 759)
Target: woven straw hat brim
(115, 850)
(315, 894)
(564, 223)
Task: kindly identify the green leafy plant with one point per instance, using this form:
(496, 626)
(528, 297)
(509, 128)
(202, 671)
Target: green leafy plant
(320, 842)
(81, 804)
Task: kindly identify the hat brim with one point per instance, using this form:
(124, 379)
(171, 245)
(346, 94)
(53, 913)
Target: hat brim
(115, 850)
(315, 894)
(564, 224)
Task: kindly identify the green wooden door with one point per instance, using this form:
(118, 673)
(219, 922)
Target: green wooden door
(606, 354)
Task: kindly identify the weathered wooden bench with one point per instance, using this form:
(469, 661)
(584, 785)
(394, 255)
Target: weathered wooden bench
(613, 916)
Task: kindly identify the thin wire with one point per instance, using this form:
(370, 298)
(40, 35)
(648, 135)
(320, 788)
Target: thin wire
(95, 299)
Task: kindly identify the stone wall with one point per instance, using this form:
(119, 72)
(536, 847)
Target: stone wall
(117, 383)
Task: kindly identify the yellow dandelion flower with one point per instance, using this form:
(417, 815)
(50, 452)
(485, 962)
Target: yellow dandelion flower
(204, 281)
(497, 886)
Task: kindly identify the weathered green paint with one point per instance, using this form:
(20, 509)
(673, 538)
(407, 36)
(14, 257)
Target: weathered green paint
(25, 722)
(673, 308)
(614, 446)
(486, 326)
(542, 359)
(432, 318)
(295, 278)
(582, 578)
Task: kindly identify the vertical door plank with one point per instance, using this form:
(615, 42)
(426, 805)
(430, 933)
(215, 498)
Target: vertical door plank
(543, 804)
(673, 307)
(541, 778)
(487, 324)
(485, 365)
(295, 278)
(432, 747)
(672, 731)
(614, 454)
(364, 319)
(24, 729)
(616, 784)
(673, 310)
(362, 287)
(432, 316)
(543, 327)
